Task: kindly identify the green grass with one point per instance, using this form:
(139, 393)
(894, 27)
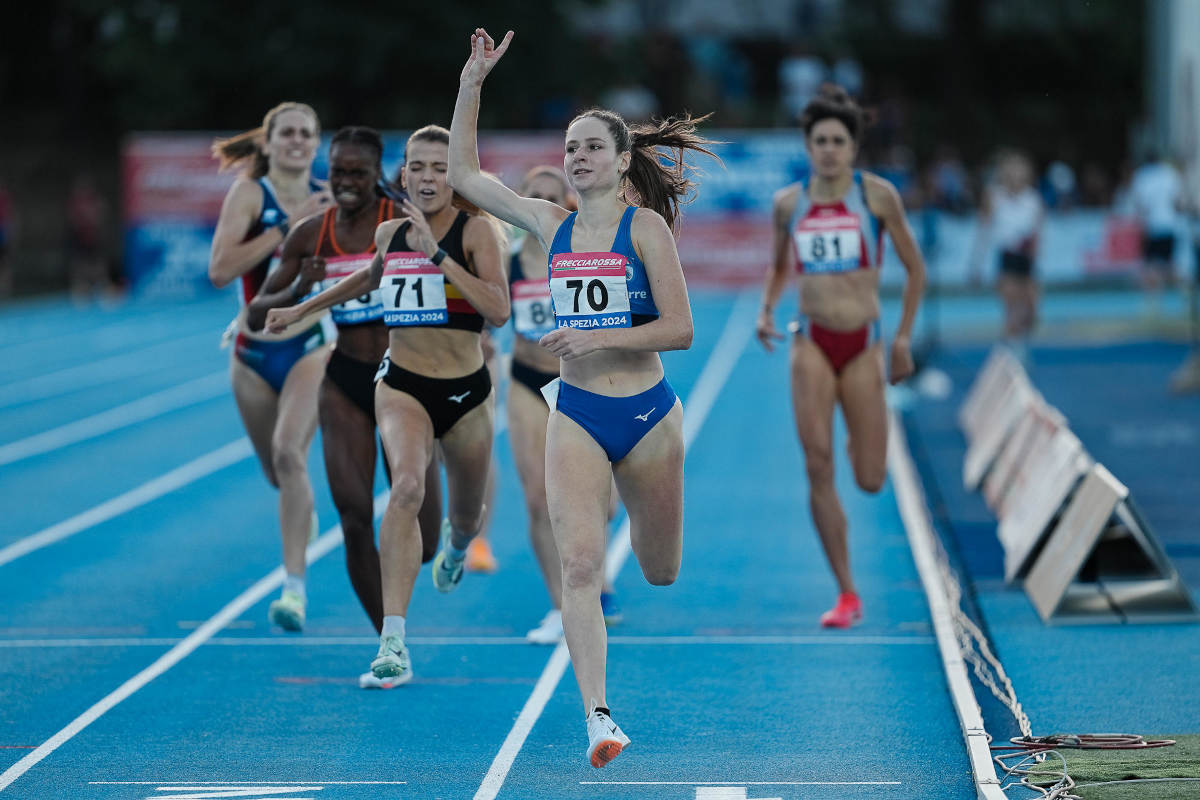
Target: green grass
(1131, 769)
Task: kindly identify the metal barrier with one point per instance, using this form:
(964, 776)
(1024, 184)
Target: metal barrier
(1068, 527)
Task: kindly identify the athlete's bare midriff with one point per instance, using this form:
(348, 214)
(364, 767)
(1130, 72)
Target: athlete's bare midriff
(842, 302)
(364, 342)
(448, 353)
(613, 372)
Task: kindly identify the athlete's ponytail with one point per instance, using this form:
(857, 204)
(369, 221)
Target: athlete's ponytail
(249, 145)
(658, 180)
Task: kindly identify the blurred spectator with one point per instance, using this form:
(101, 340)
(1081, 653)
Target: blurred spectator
(1093, 185)
(948, 181)
(800, 74)
(1058, 185)
(631, 100)
(848, 73)
(1011, 216)
(724, 70)
(87, 250)
(1156, 192)
(7, 224)
(1187, 377)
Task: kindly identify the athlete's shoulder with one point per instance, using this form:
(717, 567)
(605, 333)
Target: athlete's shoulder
(386, 231)
(881, 193)
(647, 221)
(783, 203)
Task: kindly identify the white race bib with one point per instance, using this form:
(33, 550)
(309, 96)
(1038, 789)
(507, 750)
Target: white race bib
(532, 309)
(413, 290)
(366, 308)
(590, 290)
(829, 244)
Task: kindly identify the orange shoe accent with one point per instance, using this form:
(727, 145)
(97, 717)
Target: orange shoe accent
(480, 557)
(847, 612)
(606, 752)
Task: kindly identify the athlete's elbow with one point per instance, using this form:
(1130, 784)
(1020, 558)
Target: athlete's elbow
(684, 341)
(219, 279)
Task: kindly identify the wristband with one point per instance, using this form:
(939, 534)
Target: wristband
(438, 257)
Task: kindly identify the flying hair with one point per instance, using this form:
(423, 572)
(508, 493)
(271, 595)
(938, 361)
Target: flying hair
(235, 150)
(657, 180)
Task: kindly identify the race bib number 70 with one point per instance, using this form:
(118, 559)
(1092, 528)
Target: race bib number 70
(590, 290)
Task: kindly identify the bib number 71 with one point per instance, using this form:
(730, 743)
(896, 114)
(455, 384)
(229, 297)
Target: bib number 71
(417, 288)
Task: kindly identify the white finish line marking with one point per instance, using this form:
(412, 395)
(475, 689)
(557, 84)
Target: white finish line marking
(733, 340)
(726, 793)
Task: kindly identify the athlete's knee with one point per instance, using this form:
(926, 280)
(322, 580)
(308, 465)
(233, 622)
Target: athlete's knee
(582, 568)
(287, 460)
(870, 479)
(661, 574)
(407, 492)
(818, 463)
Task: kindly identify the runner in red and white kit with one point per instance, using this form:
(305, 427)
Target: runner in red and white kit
(830, 227)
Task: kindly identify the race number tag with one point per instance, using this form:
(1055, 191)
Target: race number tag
(413, 290)
(365, 308)
(532, 312)
(829, 244)
(589, 290)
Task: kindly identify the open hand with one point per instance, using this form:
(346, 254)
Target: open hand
(900, 365)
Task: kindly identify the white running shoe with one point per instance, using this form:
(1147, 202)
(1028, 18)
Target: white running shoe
(605, 739)
(549, 630)
(368, 681)
(391, 661)
(287, 612)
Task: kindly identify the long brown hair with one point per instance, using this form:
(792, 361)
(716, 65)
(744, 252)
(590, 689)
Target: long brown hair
(658, 183)
(236, 149)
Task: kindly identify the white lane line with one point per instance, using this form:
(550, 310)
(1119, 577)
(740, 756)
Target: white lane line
(733, 339)
(186, 394)
(250, 783)
(479, 641)
(740, 783)
(234, 609)
(190, 472)
(915, 514)
(107, 370)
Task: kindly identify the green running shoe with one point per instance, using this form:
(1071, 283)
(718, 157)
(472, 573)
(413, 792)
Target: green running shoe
(287, 612)
(447, 570)
(391, 662)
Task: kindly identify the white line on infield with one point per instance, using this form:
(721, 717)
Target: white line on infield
(186, 394)
(733, 340)
(190, 472)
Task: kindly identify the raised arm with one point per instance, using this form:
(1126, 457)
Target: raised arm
(539, 217)
(782, 206)
(358, 283)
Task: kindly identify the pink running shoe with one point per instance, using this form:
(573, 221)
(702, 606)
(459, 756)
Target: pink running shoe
(847, 612)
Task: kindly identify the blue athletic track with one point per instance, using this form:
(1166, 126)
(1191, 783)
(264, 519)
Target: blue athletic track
(139, 549)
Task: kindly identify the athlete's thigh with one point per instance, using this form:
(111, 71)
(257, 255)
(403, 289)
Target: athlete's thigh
(578, 480)
(650, 480)
(258, 405)
(814, 393)
(348, 441)
(407, 435)
(861, 394)
(527, 418)
(467, 455)
(298, 401)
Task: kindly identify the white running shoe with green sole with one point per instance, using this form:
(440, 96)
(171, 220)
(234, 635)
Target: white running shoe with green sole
(391, 662)
(287, 612)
